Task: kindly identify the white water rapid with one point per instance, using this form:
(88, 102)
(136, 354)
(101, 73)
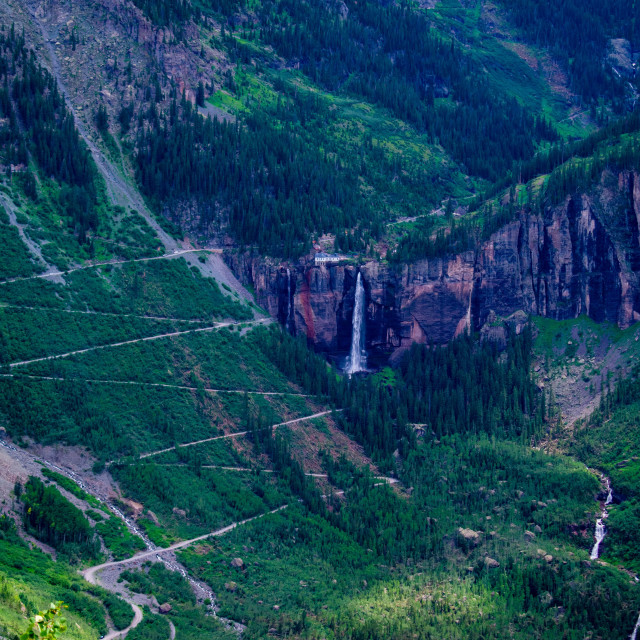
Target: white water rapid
(601, 530)
(357, 356)
(634, 633)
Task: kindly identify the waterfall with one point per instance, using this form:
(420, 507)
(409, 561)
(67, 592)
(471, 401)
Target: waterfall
(357, 355)
(635, 630)
(601, 530)
(289, 321)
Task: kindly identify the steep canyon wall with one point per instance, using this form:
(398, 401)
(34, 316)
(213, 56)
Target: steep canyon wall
(580, 257)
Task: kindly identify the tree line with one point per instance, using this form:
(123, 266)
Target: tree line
(577, 33)
(434, 238)
(271, 185)
(50, 517)
(30, 99)
(466, 386)
(388, 53)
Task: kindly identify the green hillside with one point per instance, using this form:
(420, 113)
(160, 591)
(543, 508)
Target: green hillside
(174, 464)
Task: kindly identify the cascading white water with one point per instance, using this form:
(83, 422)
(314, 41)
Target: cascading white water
(634, 633)
(357, 355)
(601, 530)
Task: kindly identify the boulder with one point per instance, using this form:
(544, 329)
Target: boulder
(232, 587)
(469, 536)
(529, 536)
(164, 608)
(490, 563)
(237, 563)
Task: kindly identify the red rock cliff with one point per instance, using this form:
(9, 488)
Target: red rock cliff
(580, 257)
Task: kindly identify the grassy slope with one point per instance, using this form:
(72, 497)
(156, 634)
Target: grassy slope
(522, 71)
(303, 575)
(527, 73)
(579, 358)
(30, 580)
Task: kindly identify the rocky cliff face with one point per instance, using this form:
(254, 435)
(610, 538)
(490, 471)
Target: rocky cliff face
(581, 257)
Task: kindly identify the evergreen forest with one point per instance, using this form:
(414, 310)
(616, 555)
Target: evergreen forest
(187, 450)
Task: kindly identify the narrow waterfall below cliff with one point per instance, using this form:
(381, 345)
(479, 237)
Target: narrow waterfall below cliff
(357, 355)
(601, 530)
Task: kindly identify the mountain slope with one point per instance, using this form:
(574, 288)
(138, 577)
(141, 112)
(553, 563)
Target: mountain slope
(218, 465)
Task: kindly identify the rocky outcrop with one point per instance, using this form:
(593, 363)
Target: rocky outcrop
(580, 257)
(468, 538)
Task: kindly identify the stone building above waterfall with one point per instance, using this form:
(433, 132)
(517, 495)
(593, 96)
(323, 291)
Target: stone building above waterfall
(323, 258)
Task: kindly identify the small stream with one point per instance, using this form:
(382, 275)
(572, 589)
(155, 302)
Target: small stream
(601, 532)
(202, 591)
(601, 529)
(635, 630)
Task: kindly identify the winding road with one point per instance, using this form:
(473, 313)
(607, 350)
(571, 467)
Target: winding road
(99, 313)
(173, 334)
(158, 384)
(90, 574)
(93, 265)
(137, 619)
(235, 435)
